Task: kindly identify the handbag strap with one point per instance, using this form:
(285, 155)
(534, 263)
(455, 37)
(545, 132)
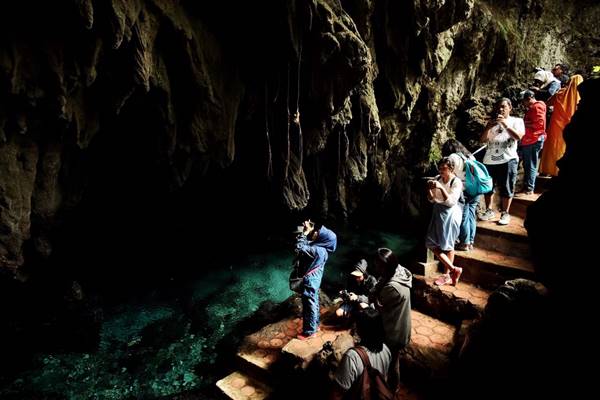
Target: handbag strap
(363, 356)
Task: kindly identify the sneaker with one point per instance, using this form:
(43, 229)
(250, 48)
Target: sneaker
(504, 218)
(443, 280)
(455, 275)
(463, 247)
(487, 215)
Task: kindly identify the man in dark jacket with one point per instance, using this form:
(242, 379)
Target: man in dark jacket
(360, 284)
(312, 248)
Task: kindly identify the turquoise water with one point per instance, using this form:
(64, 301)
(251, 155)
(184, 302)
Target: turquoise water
(150, 347)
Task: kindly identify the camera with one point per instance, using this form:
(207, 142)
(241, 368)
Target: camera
(345, 295)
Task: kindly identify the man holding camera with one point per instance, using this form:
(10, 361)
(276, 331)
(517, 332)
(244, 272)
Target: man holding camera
(313, 246)
(502, 134)
(356, 296)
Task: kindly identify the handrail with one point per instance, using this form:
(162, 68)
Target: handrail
(479, 149)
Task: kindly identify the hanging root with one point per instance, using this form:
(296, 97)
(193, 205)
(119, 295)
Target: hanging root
(297, 117)
(287, 107)
(347, 143)
(269, 151)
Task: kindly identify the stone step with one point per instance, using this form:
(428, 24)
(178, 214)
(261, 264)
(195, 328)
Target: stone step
(261, 350)
(239, 386)
(262, 353)
(542, 183)
(514, 231)
(448, 303)
(427, 357)
(264, 356)
(509, 239)
(518, 205)
(302, 352)
(490, 268)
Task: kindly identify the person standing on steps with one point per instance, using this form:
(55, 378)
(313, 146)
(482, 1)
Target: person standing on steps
(502, 134)
(457, 153)
(313, 246)
(561, 72)
(533, 140)
(446, 194)
(544, 85)
(564, 103)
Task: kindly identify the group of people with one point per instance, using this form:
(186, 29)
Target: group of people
(379, 303)
(508, 139)
(381, 306)
(558, 91)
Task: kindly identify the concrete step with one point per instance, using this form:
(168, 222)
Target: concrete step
(518, 205)
(448, 303)
(427, 357)
(300, 353)
(490, 269)
(262, 353)
(509, 239)
(264, 356)
(239, 386)
(542, 183)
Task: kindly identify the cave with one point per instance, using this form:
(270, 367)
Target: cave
(156, 157)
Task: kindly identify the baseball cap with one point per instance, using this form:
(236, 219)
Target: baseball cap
(360, 268)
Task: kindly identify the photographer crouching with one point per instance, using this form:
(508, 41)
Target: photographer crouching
(356, 296)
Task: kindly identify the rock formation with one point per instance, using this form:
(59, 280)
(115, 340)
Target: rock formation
(319, 105)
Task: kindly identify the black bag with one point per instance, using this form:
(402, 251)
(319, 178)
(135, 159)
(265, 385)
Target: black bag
(296, 278)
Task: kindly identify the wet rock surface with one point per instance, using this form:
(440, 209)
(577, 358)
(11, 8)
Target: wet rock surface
(320, 105)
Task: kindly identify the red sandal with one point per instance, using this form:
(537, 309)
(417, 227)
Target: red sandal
(455, 275)
(443, 280)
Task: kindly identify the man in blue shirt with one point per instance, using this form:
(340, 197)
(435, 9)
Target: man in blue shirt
(313, 246)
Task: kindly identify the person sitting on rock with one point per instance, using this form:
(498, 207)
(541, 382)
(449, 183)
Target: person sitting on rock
(356, 295)
(369, 327)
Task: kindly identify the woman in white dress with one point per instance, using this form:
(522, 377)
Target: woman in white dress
(445, 192)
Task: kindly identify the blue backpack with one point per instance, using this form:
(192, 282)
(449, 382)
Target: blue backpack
(477, 178)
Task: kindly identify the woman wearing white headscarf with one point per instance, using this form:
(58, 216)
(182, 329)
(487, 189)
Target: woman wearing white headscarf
(545, 85)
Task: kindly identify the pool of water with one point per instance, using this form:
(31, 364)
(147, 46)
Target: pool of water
(167, 342)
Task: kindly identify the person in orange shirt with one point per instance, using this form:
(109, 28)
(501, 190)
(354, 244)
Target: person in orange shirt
(564, 103)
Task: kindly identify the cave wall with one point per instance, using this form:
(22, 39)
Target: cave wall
(114, 114)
